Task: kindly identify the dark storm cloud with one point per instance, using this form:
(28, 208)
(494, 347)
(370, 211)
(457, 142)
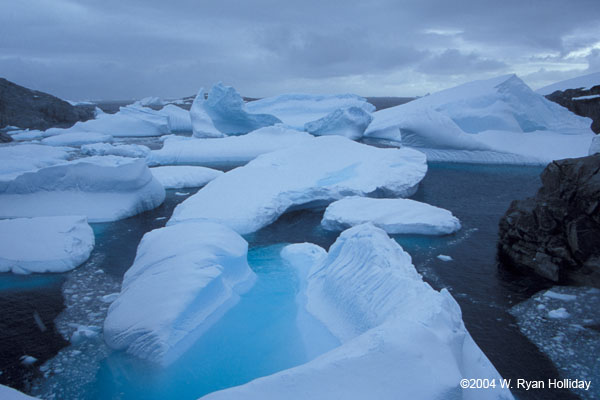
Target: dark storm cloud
(129, 49)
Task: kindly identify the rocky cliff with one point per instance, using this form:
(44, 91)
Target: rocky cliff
(31, 109)
(556, 233)
(581, 102)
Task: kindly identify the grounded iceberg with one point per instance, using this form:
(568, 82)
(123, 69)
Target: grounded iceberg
(296, 109)
(29, 157)
(202, 125)
(198, 268)
(77, 139)
(350, 122)
(44, 244)
(123, 150)
(228, 151)
(394, 216)
(313, 173)
(177, 177)
(228, 113)
(399, 337)
(103, 188)
(494, 120)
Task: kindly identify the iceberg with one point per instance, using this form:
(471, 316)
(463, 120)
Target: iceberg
(399, 337)
(350, 122)
(77, 139)
(199, 269)
(177, 177)
(314, 173)
(494, 120)
(7, 393)
(29, 157)
(395, 216)
(103, 188)
(227, 110)
(230, 151)
(150, 102)
(296, 109)
(44, 244)
(179, 120)
(202, 125)
(123, 150)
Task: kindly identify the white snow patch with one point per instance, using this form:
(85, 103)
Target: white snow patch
(584, 82)
(592, 96)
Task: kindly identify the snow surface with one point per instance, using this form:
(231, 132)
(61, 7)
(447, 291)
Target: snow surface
(395, 216)
(103, 188)
(7, 393)
(314, 173)
(44, 244)
(22, 158)
(494, 120)
(227, 151)
(198, 268)
(202, 125)
(350, 122)
(123, 150)
(177, 177)
(399, 337)
(77, 139)
(581, 82)
(595, 146)
(228, 112)
(296, 109)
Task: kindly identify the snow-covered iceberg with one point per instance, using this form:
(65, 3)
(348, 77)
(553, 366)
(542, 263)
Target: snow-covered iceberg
(584, 82)
(228, 112)
(228, 151)
(77, 139)
(44, 244)
(123, 150)
(29, 157)
(350, 122)
(179, 120)
(103, 188)
(202, 125)
(399, 337)
(182, 176)
(296, 109)
(494, 120)
(394, 216)
(314, 173)
(183, 279)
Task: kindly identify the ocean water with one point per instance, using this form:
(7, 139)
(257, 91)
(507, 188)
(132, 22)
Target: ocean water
(259, 335)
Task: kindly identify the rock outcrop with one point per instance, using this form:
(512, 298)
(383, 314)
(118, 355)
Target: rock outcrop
(581, 102)
(556, 233)
(31, 109)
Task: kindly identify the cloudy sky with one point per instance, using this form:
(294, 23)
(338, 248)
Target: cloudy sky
(127, 49)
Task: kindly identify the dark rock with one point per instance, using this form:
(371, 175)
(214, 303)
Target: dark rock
(5, 138)
(586, 107)
(556, 233)
(31, 109)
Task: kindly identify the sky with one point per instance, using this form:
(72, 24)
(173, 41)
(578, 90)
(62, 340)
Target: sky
(130, 49)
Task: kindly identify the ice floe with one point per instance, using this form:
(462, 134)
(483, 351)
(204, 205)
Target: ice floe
(22, 158)
(103, 188)
(183, 176)
(350, 122)
(392, 215)
(122, 150)
(314, 173)
(399, 337)
(494, 120)
(44, 244)
(228, 151)
(198, 268)
(77, 139)
(296, 109)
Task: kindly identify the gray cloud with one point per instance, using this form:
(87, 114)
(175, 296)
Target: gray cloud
(137, 48)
